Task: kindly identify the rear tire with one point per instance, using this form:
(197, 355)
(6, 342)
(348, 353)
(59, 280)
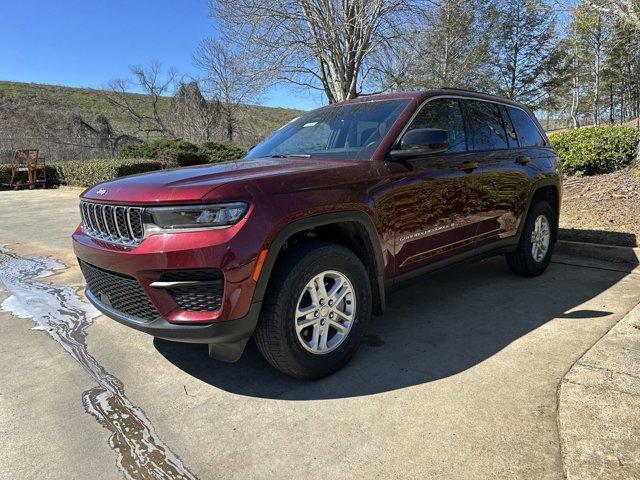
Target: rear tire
(305, 337)
(537, 241)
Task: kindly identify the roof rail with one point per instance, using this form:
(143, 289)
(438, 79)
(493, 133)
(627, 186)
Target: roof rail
(468, 90)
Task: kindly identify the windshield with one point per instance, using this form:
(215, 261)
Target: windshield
(352, 130)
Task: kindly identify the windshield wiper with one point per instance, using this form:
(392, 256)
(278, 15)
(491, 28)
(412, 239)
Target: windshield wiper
(291, 155)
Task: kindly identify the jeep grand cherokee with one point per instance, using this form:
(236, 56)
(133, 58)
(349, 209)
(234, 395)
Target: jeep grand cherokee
(296, 243)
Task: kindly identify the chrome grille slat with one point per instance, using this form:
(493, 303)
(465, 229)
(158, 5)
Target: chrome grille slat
(91, 216)
(87, 217)
(97, 215)
(83, 219)
(135, 222)
(129, 223)
(123, 223)
(106, 213)
(113, 223)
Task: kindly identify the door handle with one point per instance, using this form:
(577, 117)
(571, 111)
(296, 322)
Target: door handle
(469, 167)
(522, 160)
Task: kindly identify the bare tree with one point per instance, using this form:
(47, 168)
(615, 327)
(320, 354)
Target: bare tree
(232, 76)
(193, 117)
(392, 65)
(144, 110)
(321, 44)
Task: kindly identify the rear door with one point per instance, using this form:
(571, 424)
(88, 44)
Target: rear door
(502, 186)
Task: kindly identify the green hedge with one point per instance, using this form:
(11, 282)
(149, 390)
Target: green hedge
(52, 175)
(170, 152)
(182, 153)
(146, 157)
(221, 152)
(84, 173)
(593, 150)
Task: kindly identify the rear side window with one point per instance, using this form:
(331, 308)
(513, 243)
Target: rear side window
(508, 126)
(445, 114)
(528, 133)
(486, 130)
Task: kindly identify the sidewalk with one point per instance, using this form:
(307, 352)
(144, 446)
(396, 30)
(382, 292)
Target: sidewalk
(599, 407)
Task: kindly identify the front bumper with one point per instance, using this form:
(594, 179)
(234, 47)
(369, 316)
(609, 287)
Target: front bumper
(222, 333)
(225, 249)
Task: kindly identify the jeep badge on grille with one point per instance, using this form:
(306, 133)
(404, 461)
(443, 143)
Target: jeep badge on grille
(102, 191)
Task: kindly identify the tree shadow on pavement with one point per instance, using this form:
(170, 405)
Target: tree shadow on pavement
(436, 328)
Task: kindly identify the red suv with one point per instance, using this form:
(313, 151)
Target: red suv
(297, 243)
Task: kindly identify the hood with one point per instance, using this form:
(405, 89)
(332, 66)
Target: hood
(191, 184)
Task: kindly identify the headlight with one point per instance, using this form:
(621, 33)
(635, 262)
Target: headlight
(195, 216)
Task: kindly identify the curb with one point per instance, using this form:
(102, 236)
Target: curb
(597, 403)
(611, 253)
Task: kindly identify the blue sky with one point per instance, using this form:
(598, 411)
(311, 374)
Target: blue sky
(87, 43)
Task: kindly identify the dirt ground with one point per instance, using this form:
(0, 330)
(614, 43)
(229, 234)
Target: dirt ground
(602, 208)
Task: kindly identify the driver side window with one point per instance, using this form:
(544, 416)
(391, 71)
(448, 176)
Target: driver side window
(445, 114)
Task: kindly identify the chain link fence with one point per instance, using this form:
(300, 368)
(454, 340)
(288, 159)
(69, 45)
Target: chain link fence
(54, 150)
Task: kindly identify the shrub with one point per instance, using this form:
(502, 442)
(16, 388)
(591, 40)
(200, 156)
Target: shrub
(84, 173)
(221, 152)
(51, 171)
(588, 151)
(181, 153)
(171, 152)
(5, 174)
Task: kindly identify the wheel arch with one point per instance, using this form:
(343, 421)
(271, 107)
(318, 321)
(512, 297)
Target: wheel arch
(548, 190)
(352, 229)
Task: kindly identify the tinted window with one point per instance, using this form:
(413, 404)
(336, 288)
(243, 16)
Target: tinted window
(527, 130)
(486, 130)
(350, 130)
(508, 126)
(445, 114)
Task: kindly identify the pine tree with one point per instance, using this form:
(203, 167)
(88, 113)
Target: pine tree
(525, 50)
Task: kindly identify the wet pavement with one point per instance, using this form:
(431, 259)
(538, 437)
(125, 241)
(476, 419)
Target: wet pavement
(60, 312)
(457, 380)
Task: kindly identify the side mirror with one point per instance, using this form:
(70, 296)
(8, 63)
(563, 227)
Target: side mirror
(422, 141)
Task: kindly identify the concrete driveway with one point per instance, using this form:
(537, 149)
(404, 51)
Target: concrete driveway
(457, 380)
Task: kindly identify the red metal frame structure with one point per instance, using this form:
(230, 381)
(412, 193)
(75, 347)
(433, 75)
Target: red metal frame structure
(28, 160)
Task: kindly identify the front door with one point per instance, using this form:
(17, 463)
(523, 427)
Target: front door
(435, 195)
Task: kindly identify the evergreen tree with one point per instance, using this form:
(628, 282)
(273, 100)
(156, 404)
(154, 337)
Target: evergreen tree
(454, 46)
(525, 50)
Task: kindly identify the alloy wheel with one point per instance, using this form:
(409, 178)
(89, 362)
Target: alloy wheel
(540, 238)
(325, 312)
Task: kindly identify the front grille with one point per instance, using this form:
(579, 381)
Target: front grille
(119, 292)
(112, 223)
(204, 296)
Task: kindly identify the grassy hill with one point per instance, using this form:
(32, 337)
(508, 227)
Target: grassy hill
(21, 100)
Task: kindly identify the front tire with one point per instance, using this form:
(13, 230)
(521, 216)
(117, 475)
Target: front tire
(316, 311)
(537, 241)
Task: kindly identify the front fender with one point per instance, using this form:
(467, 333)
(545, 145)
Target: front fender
(286, 232)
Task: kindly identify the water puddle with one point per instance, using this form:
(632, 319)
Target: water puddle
(60, 312)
